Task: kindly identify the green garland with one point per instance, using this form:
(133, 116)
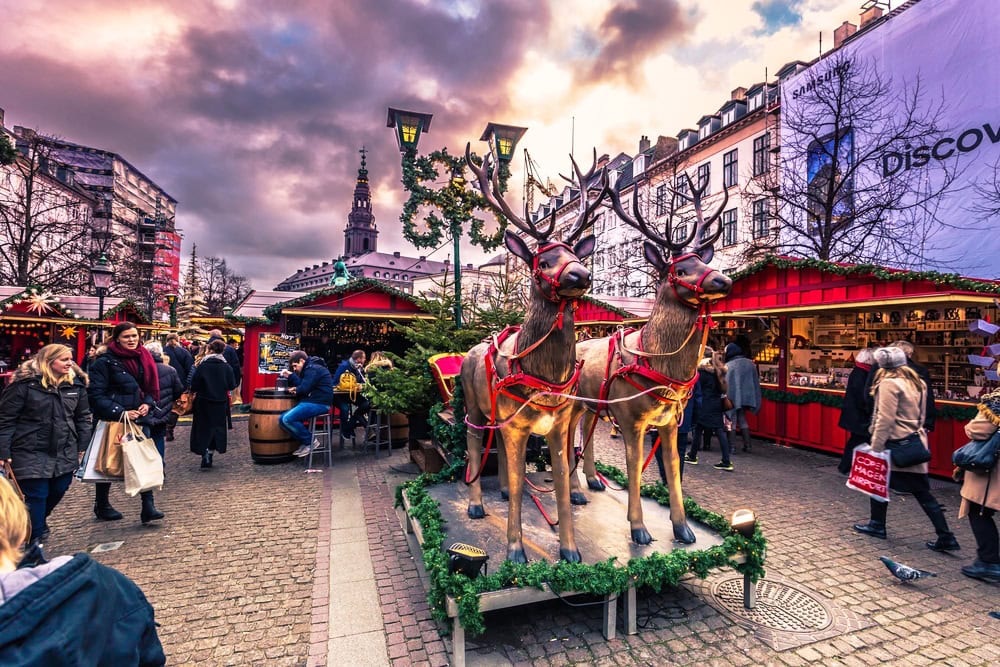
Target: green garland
(836, 400)
(941, 279)
(604, 578)
(455, 202)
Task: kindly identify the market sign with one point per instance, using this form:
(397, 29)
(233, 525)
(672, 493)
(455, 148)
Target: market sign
(275, 350)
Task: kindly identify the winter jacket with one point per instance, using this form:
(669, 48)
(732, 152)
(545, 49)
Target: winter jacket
(181, 361)
(113, 389)
(930, 415)
(170, 388)
(743, 381)
(232, 358)
(981, 488)
(898, 410)
(691, 410)
(855, 413)
(213, 379)
(315, 384)
(347, 366)
(709, 413)
(75, 611)
(43, 429)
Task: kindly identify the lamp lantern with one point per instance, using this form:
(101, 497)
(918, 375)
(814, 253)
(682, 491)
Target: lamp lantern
(744, 522)
(101, 274)
(409, 126)
(172, 302)
(503, 138)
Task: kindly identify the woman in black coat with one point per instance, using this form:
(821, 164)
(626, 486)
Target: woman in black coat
(212, 382)
(124, 379)
(708, 419)
(856, 413)
(44, 428)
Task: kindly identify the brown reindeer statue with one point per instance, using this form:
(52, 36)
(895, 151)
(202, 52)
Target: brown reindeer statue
(514, 382)
(644, 377)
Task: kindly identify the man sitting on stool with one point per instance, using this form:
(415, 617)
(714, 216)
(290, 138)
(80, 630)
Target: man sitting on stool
(310, 380)
(355, 365)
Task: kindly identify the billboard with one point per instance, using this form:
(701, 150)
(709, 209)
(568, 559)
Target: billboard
(935, 57)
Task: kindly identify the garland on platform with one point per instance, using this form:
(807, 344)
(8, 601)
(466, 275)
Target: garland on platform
(941, 279)
(834, 400)
(604, 578)
(454, 201)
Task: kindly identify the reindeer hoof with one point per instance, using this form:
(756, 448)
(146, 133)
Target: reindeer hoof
(570, 555)
(577, 498)
(504, 494)
(595, 485)
(516, 556)
(641, 536)
(476, 512)
(683, 533)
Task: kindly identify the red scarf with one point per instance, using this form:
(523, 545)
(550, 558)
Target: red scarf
(148, 378)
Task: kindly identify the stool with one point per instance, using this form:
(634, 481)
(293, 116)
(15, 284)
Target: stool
(377, 431)
(321, 430)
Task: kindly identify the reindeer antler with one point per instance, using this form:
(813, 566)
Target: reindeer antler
(705, 239)
(640, 224)
(586, 208)
(491, 191)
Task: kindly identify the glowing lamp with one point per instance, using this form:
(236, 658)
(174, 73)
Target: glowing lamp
(744, 522)
(409, 125)
(503, 138)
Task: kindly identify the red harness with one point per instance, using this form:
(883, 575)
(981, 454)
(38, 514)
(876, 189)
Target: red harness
(515, 373)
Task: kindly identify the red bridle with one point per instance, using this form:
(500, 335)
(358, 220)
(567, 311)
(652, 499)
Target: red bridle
(695, 288)
(554, 283)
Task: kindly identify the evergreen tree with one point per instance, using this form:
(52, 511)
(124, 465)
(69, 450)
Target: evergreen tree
(192, 300)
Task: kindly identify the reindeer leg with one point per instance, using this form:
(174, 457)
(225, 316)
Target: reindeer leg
(502, 467)
(576, 495)
(558, 447)
(474, 447)
(594, 482)
(633, 463)
(668, 440)
(515, 444)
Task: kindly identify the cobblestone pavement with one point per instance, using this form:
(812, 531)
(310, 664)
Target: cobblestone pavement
(232, 571)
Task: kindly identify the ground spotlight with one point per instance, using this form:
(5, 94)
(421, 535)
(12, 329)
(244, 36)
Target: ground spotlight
(744, 522)
(466, 559)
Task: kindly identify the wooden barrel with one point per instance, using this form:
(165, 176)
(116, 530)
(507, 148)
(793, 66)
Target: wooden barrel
(399, 429)
(269, 443)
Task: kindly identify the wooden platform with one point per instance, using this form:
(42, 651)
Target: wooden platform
(602, 531)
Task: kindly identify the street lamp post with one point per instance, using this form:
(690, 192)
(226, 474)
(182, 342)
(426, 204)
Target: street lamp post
(101, 274)
(172, 302)
(455, 202)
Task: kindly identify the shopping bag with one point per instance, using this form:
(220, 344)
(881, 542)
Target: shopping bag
(870, 473)
(87, 472)
(109, 455)
(142, 463)
(8, 473)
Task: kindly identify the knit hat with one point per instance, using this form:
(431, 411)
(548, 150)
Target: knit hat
(733, 350)
(890, 357)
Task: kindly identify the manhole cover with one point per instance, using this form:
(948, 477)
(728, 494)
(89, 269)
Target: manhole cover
(779, 606)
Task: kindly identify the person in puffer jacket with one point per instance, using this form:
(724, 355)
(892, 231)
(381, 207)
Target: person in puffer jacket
(161, 415)
(44, 430)
(71, 611)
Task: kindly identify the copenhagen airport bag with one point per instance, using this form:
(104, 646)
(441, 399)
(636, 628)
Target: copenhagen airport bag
(870, 473)
(142, 463)
(87, 472)
(978, 455)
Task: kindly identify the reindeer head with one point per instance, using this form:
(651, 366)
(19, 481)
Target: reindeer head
(556, 267)
(689, 275)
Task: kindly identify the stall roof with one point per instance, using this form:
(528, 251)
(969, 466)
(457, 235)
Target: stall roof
(362, 298)
(257, 300)
(86, 307)
(778, 285)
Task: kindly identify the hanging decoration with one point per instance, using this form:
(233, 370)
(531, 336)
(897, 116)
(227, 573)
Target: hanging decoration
(68, 333)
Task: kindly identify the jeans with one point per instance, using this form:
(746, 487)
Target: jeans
(358, 417)
(704, 434)
(159, 433)
(683, 440)
(41, 496)
(292, 420)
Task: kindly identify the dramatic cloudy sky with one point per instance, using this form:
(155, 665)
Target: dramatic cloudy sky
(251, 113)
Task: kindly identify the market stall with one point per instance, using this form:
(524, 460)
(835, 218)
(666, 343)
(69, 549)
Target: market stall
(806, 319)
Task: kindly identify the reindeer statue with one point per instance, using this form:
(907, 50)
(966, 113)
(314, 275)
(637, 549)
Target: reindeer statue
(513, 382)
(622, 370)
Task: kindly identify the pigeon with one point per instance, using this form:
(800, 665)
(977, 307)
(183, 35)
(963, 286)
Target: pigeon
(904, 572)
(995, 614)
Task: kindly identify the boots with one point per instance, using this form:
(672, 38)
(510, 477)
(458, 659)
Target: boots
(102, 506)
(149, 511)
(873, 528)
(206, 459)
(33, 555)
(985, 571)
(946, 539)
(745, 432)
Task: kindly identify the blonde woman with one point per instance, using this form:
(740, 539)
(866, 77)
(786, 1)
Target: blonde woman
(900, 409)
(378, 360)
(44, 428)
(70, 611)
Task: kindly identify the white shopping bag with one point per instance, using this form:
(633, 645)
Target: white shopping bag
(143, 465)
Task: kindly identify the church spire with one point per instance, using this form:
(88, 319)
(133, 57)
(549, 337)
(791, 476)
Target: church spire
(361, 234)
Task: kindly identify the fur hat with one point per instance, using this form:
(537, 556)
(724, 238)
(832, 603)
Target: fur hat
(890, 357)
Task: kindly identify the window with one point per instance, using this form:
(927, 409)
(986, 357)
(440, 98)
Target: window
(704, 130)
(729, 227)
(705, 177)
(761, 148)
(680, 231)
(661, 199)
(730, 169)
(728, 117)
(760, 221)
(755, 101)
(375, 275)
(681, 184)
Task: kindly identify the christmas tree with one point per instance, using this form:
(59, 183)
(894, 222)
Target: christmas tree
(192, 300)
